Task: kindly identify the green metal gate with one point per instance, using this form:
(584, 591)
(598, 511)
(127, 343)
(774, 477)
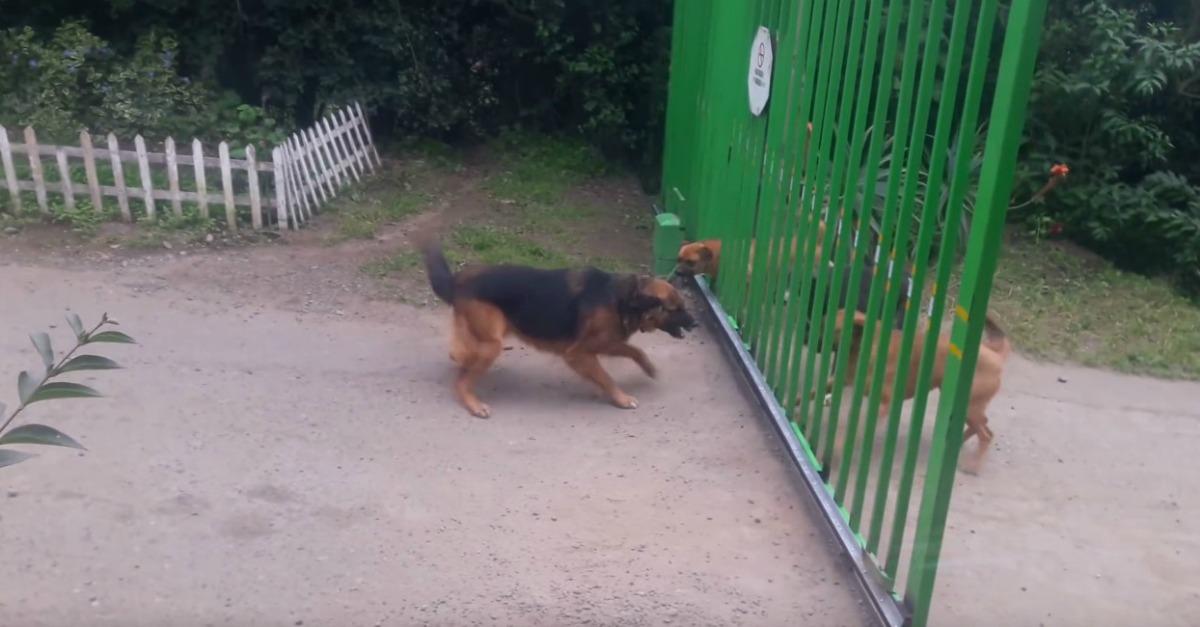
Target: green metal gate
(873, 124)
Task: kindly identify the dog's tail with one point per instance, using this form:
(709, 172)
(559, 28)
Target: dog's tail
(441, 277)
(995, 338)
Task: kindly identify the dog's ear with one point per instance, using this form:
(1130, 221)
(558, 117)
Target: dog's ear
(706, 254)
(642, 301)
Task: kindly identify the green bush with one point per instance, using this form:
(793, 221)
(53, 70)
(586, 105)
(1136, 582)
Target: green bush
(446, 69)
(72, 80)
(1112, 98)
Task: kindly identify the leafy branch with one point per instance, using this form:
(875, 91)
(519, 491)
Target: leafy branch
(32, 389)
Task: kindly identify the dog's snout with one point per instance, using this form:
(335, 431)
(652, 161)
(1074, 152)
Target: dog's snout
(679, 322)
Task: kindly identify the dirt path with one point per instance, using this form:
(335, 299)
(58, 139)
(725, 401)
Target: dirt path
(281, 451)
(1087, 514)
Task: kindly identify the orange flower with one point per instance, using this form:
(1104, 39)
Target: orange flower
(1060, 171)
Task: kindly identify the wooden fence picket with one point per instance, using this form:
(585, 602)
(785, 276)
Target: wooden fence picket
(201, 177)
(227, 185)
(35, 169)
(89, 167)
(10, 170)
(256, 216)
(306, 170)
(114, 153)
(173, 177)
(143, 162)
(64, 171)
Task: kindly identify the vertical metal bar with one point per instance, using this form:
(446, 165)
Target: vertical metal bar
(847, 150)
(891, 213)
(885, 78)
(963, 155)
(678, 135)
(898, 256)
(815, 76)
(1014, 76)
(777, 196)
(737, 149)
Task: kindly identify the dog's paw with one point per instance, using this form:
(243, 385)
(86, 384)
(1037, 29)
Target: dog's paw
(480, 411)
(625, 402)
(828, 400)
(650, 371)
(969, 468)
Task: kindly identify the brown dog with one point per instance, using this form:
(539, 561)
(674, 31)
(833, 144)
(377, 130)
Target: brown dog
(989, 369)
(704, 257)
(578, 314)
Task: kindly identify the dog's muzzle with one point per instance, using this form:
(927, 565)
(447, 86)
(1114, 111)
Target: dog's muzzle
(678, 323)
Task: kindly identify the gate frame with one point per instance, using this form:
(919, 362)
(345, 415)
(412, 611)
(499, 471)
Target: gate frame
(1021, 39)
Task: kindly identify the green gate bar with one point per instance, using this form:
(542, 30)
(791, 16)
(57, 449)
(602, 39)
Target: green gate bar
(871, 128)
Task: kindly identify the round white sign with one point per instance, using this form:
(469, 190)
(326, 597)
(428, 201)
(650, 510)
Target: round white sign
(762, 59)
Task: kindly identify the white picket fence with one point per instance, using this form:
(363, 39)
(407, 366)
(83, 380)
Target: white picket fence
(304, 173)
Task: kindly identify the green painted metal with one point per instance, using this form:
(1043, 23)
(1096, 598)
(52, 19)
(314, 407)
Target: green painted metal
(871, 127)
(668, 237)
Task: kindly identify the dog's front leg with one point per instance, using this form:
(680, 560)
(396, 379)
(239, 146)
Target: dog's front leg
(587, 365)
(639, 357)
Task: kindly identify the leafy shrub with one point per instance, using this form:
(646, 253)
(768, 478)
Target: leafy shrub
(36, 388)
(1110, 98)
(447, 69)
(74, 80)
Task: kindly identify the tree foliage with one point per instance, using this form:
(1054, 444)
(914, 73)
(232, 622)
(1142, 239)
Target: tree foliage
(1117, 96)
(452, 69)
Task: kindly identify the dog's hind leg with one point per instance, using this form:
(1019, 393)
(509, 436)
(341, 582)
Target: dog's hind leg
(460, 335)
(636, 354)
(473, 367)
(588, 366)
(977, 425)
(480, 346)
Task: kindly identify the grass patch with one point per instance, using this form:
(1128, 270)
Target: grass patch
(401, 263)
(539, 169)
(1063, 305)
(491, 245)
(557, 220)
(531, 218)
(380, 202)
(438, 155)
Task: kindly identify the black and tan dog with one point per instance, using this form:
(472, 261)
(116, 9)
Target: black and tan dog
(579, 314)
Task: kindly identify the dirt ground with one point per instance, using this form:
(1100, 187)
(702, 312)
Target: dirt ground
(284, 449)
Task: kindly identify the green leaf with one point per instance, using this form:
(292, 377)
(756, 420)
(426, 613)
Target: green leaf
(61, 389)
(26, 386)
(76, 325)
(10, 457)
(115, 337)
(39, 434)
(41, 342)
(88, 362)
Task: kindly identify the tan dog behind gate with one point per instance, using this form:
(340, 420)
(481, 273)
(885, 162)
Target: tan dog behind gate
(989, 370)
